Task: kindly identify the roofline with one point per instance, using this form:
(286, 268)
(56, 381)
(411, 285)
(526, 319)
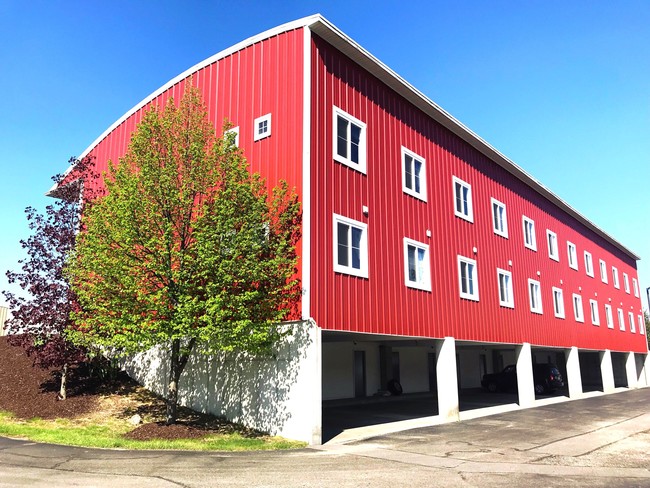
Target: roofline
(333, 35)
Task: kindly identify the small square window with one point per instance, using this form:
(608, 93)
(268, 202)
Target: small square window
(615, 281)
(595, 317)
(350, 246)
(626, 283)
(551, 240)
(572, 255)
(608, 316)
(635, 286)
(530, 241)
(467, 278)
(621, 320)
(589, 264)
(463, 200)
(603, 271)
(233, 135)
(578, 311)
(499, 218)
(630, 317)
(535, 296)
(414, 176)
(558, 303)
(417, 270)
(504, 279)
(349, 140)
(262, 127)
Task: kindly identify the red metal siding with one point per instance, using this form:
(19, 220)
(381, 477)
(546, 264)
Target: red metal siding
(266, 77)
(382, 303)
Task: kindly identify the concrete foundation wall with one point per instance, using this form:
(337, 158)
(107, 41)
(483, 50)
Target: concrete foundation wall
(280, 395)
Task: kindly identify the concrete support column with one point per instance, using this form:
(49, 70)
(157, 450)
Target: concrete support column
(447, 377)
(646, 369)
(630, 370)
(574, 378)
(607, 370)
(525, 381)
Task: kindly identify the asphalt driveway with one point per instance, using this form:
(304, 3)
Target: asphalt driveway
(598, 441)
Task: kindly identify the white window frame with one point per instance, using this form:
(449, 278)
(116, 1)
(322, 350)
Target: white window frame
(257, 135)
(422, 176)
(593, 308)
(469, 216)
(233, 130)
(358, 166)
(626, 283)
(509, 298)
(535, 296)
(615, 280)
(422, 282)
(621, 319)
(603, 271)
(558, 303)
(362, 271)
(609, 316)
(530, 243)
(630, 317)
(499, 221)
(578, 309)
(572, 255)
(551, 242)
(589, 264)
(635, 286)
(470, 294)
(641, 324)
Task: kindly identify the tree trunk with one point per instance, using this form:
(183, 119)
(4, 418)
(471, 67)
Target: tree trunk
(64, 380)
(178, 361)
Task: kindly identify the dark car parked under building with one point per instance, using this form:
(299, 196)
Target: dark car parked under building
(546, 377)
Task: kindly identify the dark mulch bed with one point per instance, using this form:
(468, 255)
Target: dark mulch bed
(29, 392)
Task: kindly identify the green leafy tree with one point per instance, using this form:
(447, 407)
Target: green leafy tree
(646, 320)
(187, 249)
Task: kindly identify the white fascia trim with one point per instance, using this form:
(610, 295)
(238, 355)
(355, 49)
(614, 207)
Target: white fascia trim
(306, 176)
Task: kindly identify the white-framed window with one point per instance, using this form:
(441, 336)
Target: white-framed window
(635, 286)
(572, 255)
(608, 316)
(595, 316)
(551, 241)
(414, 174)
(467, 278)
(463, 199)
(603, 271)
(641, 324)
(626, 283)
(578, 311)
(615, 277)
(417, 268)
(621, 319)
(262, 127)
(499, 218)
(349, 140)
(350, 246)
(589, 264)
(235, 135)
(558, 302)
(535, 296)
(630, 317)
(504, 280)
(530, 241)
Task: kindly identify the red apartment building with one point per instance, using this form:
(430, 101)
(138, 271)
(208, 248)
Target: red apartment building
(427, 256)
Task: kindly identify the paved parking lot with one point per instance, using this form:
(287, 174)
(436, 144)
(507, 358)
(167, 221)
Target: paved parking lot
(601, 441)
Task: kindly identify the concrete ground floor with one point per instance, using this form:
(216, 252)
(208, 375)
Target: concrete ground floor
(439, 380)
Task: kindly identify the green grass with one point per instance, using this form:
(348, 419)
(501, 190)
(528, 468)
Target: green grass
(109, 434)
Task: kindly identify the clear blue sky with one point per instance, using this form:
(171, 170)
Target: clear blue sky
(561, 88)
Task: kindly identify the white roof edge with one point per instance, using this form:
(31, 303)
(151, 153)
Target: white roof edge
(332, 34)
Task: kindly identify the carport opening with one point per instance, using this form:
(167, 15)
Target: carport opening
(545, 379)
(590, 372)
(618, 368)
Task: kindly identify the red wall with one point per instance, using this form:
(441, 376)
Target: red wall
(382, 303)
